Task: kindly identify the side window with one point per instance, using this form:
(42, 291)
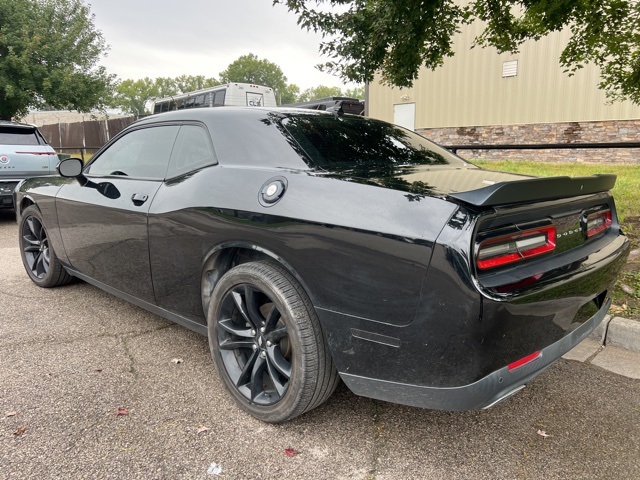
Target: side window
(199, 101)
(192, 151)
(219, 98)
(142, 153)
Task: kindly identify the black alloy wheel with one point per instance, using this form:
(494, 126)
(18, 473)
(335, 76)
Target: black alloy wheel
(267, 344)
(38, 257)
(254, 344)
(36, 247)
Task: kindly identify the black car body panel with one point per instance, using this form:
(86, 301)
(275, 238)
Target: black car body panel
(387, 252)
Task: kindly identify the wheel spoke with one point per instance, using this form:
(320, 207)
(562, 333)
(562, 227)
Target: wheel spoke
(246, 374)
(275, 359)
(253, 309)
(277, 334)
(34, 261)
(232, 328)
(32, 228)
(40, 266)
(229, 344)
(257, 386)
(34, 242)
(272, 318)
(273, 374)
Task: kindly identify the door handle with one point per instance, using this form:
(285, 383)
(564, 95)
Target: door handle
(139, 198)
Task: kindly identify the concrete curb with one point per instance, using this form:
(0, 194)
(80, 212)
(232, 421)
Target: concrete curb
(619, 332)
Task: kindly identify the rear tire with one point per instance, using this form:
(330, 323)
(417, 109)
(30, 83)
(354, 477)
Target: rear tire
(39, 259)
(267, 344)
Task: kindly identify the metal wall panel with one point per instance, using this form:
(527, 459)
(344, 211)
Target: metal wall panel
(469, 90)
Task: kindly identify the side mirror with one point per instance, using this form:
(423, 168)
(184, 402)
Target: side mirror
(70, 167)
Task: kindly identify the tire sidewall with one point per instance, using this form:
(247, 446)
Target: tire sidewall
(282, 410)
(46, 280)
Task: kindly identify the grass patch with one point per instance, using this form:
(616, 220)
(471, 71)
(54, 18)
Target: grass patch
(626, 192)
(626, 293)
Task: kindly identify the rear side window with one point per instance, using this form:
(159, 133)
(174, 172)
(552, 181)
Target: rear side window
(219, 98)
(192, 151)
(142, 153)
(18, 136)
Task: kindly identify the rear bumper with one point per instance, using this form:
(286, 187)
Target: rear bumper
(480, 394)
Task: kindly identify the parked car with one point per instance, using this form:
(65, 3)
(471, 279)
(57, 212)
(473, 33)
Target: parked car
(23, 153)
(311, 247)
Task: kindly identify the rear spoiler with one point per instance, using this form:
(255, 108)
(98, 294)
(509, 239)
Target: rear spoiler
(536, 189)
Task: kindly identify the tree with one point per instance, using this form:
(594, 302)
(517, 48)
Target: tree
(321, 91)
(397, 37)
(355, 92)
(290, 94)
(250, 69)
(49, 53)
(132, 96)
(189, 83)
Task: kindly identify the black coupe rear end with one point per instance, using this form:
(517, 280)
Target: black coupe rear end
(311, 247)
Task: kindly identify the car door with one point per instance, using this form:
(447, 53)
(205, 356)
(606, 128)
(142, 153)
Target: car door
(103, 223)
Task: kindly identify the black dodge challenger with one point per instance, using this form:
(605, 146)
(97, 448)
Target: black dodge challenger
(312, 247)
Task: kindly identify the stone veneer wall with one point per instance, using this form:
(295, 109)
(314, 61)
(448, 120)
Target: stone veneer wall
(569, 132)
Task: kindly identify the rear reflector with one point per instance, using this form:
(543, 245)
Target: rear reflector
(598, 222)
(523, 361)
(507, 249)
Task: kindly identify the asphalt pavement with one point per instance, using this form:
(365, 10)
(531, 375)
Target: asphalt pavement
(93, 387)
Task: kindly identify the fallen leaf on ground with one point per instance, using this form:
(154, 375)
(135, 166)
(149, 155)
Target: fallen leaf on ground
(10, 414)
(290, 452)
(203, 428)
(626, 289)
(19, 431)
(543, 434)
(177, 360)
(122, 411)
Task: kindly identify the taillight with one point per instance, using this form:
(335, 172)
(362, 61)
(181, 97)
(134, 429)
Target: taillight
(598, 222)
(507, 249)
(523, 361)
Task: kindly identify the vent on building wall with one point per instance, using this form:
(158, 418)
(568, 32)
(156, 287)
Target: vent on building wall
(510, 68)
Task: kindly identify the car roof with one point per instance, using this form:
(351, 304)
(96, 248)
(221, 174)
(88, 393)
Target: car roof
(7, 123)
(208, 113)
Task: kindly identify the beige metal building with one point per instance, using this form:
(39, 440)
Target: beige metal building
(482, 97)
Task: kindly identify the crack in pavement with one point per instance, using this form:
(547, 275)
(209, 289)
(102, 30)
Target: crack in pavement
(117, 336)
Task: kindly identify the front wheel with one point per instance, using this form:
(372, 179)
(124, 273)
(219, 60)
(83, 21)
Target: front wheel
(38, 257)
(267, 344)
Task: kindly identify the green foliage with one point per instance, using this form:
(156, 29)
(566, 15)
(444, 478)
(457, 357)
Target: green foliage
(131, 96)
(397, 37)
(355, 92)
(320, 91)
(250, 69)
(49, 53)
(289, 95)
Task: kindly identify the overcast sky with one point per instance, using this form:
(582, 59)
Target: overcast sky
(162, 38)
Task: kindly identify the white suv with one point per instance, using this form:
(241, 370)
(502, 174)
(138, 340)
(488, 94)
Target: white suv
(23, 153)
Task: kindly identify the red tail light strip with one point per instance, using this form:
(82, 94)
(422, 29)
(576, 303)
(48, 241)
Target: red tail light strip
(507, 249)
(524, 360)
